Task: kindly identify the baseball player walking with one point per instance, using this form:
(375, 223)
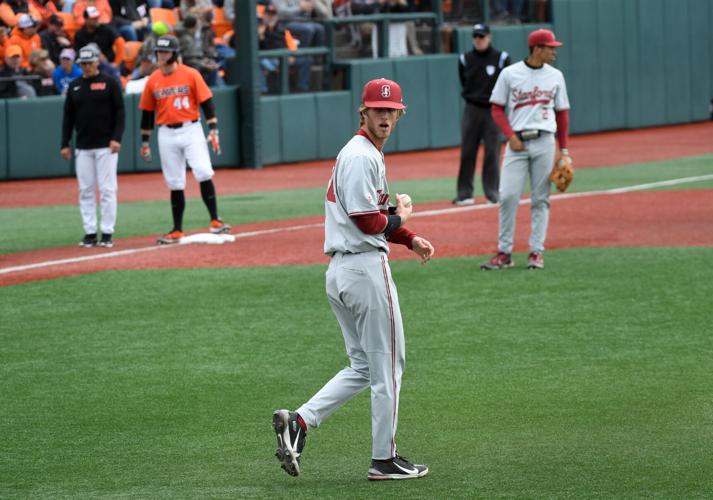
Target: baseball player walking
(359, 224)
(530, 105)
(478, 71)
(95, 107)
(174, 92)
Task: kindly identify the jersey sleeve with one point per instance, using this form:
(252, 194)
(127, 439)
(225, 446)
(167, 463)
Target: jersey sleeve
(147, 102)
(561, 98)
(203, 93)
(500, 90)
(356, 186)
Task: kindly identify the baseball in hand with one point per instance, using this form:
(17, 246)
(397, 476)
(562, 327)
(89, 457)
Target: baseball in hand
(405, 200)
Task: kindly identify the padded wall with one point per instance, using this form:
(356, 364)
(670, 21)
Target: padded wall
(34, 135)
(3, 141)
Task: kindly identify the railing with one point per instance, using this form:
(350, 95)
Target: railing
(381, 20)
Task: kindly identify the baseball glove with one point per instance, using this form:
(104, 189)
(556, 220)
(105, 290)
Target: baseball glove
(562, 173)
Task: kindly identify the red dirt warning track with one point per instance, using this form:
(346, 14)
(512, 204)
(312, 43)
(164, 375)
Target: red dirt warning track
(661, 218)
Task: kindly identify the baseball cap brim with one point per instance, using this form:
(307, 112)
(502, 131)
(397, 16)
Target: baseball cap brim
(554, 44)
(384, 104)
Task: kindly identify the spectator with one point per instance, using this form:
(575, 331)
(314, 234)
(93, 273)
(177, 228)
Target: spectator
(297, 15)
(131, 18)
(139, 77)
(195, 8)
(54, 39)
(42, 67)
(102, 6)
(104, 36)
(3, 41)
(25, 36)
(66, 71)
(273, 35)
(13, 81)
(198, 48)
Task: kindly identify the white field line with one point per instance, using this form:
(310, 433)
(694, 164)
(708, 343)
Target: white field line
(427, 213)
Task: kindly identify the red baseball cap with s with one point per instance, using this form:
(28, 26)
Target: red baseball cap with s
(542, 37)
(382, 93)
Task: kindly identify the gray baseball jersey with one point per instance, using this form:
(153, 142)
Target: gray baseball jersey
(358, 186)
(363, 297)
(530, 97)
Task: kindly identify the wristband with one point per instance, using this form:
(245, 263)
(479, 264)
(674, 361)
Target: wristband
(212, 125)
(564, 152)
(393, 222)
(145, 137)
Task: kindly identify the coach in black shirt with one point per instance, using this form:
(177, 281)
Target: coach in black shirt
(95, 107)
(479, 70)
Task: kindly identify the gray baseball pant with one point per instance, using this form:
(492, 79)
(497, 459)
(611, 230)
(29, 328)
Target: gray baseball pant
(536, 162)
(363, 297)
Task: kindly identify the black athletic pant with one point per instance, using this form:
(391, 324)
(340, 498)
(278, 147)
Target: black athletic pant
(477, 125)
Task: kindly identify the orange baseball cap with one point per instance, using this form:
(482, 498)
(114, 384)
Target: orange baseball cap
(13, 51)
(542, 37)
(382, 93)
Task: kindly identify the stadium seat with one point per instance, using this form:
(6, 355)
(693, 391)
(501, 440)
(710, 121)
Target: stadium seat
(70, 24)
(220, 24)
(131, 52)
(168, 16)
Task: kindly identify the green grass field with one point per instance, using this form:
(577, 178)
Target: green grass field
(61, 225)
(589, 380)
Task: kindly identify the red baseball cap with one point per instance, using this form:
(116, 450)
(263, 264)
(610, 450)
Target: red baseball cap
(542, 37)
(382, 93)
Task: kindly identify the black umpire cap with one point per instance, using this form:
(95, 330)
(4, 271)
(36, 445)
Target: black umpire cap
(481, 29)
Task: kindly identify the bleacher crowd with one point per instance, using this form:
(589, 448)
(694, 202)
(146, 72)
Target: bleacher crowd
(39, 39)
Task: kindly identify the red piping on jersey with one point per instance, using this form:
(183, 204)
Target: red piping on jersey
(531, 103)
(499, 116)
(562, 118)
(393, 354)
(363, 133)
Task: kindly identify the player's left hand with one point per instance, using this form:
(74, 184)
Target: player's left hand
(213, 138)
(114, 146)
(422, 248)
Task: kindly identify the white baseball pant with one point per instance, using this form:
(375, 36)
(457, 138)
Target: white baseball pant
(536, 162)
(178, 145)
(97, 167)
(363, 298)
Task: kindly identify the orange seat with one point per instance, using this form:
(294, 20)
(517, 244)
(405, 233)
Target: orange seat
(220, 24)
(131, 52)
(167, 16)
(70, 24)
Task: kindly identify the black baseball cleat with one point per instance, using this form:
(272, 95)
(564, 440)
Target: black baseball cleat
(106, 241)
(396, 468)
(290, 440)
(89, 241)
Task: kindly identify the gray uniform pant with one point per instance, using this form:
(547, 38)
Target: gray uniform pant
(364, 300)
(478, 124)
(536, 162)
(97, 168)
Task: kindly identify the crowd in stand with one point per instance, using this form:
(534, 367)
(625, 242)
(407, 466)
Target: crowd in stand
(39, 38)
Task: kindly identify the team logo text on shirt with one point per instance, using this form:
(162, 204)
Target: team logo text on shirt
(535, 96)
(170, 91)
(97, 86)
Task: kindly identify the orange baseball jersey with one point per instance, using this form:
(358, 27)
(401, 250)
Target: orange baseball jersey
(175, 98)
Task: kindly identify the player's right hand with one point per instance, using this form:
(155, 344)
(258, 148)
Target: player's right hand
(516, 144)
(145, 152)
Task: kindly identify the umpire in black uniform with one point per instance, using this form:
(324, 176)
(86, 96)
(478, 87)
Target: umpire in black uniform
(479, 69)
(94, 106)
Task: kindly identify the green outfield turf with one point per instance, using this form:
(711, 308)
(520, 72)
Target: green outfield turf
(591, 379)
(61, 225)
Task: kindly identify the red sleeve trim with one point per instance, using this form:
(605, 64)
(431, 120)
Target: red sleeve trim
(562, 119)
(402, 236)
(501, 119)
(372, 223)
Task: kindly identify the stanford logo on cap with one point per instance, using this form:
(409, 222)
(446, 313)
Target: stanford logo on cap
(385, 91)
